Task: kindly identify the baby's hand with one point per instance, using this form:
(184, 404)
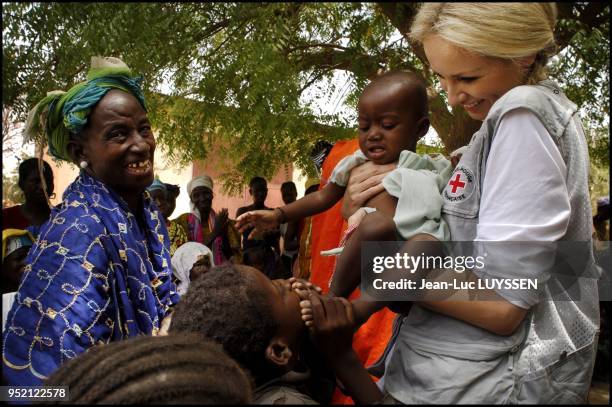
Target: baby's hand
(455, 156)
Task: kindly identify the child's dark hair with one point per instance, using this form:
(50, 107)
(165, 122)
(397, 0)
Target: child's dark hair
(31, 165)
(154, 370)
(411, 80)
(230, 308)
(260, 181)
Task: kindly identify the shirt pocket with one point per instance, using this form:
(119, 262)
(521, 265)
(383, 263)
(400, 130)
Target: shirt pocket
(566, 381)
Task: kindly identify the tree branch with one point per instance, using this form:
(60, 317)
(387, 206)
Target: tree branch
(587, 15)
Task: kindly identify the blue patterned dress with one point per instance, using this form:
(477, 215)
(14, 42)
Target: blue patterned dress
(93, 276)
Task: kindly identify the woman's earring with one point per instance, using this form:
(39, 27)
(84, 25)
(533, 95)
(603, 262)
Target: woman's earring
(83, 164)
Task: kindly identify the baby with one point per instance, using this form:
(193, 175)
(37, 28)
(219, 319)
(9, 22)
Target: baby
(393, 116)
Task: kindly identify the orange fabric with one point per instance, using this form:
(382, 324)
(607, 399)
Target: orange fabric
(371, 339)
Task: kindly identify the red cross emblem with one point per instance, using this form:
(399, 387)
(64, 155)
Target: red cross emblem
(456, 183)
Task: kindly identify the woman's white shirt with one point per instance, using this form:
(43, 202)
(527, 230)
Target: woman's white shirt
(524, 192)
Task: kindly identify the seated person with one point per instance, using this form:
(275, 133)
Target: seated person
(15, 246)
(258, 322)
(182, 369)
(392, 118)
(190, 261)
(162, 198)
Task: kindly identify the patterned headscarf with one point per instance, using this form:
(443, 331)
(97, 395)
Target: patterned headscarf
(157, 185)
(13, 239)
(60, 114)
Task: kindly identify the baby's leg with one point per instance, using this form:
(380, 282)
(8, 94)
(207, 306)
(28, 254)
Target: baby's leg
(374, 227)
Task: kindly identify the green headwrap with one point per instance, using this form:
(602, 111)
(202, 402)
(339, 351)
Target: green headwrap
(59, 114)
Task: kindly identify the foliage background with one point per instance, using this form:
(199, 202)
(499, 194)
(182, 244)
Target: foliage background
(250, 76)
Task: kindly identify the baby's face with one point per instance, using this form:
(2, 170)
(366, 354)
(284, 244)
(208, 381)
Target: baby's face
(387, 123)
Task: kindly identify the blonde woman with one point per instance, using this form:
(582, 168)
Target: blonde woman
(523, 177)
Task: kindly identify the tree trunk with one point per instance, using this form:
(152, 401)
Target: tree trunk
(455, 128)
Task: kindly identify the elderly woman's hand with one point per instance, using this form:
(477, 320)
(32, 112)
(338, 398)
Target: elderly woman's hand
(221, 221)
(365, 182)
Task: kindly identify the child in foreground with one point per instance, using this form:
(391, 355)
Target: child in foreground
(393, 116)
(258, 322)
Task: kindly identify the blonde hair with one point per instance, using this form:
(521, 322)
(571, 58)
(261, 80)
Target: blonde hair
(499, 30)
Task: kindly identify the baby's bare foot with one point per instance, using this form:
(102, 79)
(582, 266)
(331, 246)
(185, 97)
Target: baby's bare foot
(306, 307)
(303, 287)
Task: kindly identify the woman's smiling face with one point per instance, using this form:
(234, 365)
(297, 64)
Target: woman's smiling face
(470, 80)
(119, 145)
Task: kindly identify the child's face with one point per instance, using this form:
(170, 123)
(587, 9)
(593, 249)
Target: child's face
(285, 306)
(387, 122)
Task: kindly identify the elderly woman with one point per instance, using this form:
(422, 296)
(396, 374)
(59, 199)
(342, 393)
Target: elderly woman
(523, 177)
(100, 269)
(161, 196)
(204, 225)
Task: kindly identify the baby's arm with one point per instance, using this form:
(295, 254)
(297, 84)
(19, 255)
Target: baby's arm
(309, 205)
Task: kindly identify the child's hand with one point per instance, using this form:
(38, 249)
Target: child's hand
(331, 324)
(455, 156)
(261, 221)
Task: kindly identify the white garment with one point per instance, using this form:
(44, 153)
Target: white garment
(7, 303)
(542, 213)
(518, 206)
(183, 260)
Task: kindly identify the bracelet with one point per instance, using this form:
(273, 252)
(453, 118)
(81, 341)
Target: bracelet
(282, 218)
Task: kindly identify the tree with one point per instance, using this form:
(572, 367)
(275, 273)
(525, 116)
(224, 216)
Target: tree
(11, 194)
(239, 73)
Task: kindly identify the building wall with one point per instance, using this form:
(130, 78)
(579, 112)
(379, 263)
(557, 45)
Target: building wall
(64, 173)
(215, 165)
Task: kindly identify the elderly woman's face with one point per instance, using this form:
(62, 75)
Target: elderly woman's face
(118, 144)
(202, 198)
